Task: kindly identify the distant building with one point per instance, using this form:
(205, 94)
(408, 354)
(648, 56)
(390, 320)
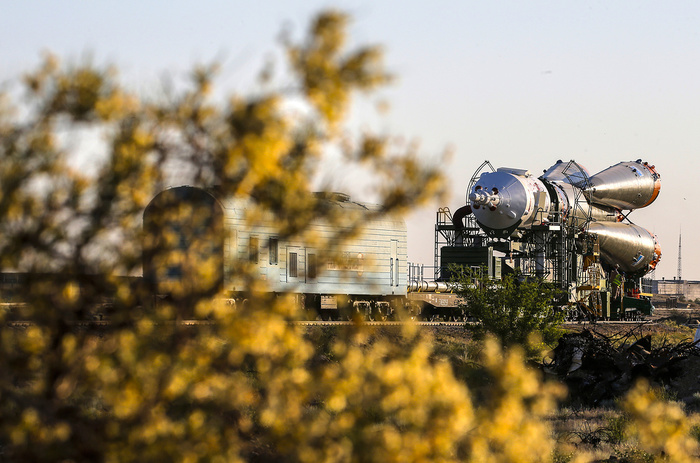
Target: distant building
(688, 289)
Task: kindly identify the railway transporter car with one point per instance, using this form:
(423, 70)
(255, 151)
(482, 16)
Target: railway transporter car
(196, 239)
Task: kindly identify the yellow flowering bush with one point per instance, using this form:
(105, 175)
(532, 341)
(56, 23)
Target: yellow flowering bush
(246, 385)
(661, 428)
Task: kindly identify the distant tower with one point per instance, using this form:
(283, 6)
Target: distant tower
(679, 273)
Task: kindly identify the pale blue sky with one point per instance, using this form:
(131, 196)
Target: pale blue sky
(521, 84)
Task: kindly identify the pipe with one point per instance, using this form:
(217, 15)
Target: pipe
(457, 222)
(428, 286)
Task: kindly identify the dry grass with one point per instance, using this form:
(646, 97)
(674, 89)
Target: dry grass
(599, 432)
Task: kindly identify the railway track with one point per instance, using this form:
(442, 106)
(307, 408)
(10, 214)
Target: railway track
(377, 323)
(107, 323)
(445, 323)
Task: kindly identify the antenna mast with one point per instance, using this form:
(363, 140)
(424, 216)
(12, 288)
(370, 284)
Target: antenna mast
(679, 272)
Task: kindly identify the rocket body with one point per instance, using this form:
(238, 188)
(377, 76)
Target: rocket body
(509, 201)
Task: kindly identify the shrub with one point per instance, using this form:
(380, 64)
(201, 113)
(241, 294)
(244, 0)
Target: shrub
(515, 309)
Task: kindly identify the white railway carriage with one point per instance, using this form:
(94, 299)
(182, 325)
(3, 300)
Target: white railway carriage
(194, 239)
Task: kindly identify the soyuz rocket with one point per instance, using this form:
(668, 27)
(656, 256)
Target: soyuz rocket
(509, 202)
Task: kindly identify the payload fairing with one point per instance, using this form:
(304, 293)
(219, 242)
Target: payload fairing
(509, 202)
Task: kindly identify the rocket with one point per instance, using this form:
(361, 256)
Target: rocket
(508, 202)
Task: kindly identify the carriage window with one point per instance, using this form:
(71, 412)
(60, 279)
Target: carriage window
(273, 245)
(253, 249)
(293, 265)
(311, 266)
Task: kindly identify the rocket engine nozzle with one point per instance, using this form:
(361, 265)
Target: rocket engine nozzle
(482, 198)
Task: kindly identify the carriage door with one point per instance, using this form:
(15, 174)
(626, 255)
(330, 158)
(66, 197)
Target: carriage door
(394, 265)
(295, 264)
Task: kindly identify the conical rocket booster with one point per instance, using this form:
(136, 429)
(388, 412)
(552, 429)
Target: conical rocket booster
(630, 247)
(624, 186)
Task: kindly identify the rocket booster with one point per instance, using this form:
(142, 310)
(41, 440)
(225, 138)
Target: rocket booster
(632, 248)
(511, 200)
(627, 185)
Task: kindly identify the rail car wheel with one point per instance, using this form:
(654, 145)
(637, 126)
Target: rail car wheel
(381, 311)
(362, 310)
(413, 310)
